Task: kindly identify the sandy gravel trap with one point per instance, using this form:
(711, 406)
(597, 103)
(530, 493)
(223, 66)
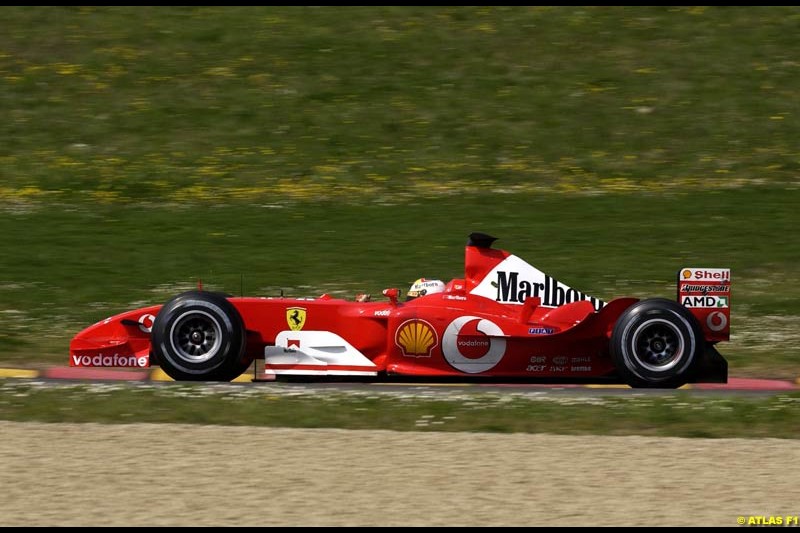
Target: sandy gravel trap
(161, 474)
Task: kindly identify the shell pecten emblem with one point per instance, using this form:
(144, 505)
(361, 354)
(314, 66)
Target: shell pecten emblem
(416, 338)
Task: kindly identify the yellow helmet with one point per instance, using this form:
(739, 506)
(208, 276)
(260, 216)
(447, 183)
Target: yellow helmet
(423, 287)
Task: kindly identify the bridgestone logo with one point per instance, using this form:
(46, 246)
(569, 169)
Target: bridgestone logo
(109, 360)
(706, 288)
(511, 289)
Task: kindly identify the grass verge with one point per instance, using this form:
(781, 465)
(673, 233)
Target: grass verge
(674, 415)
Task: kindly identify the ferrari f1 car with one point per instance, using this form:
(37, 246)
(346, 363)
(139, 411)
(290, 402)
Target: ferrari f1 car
(505, 320)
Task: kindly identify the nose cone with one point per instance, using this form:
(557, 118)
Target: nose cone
(122, 340)
(109, 335)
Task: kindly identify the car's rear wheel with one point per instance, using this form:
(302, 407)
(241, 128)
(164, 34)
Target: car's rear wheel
(199, 336)
(656, 343)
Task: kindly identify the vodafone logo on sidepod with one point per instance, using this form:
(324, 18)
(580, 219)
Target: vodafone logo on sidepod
(472, 344)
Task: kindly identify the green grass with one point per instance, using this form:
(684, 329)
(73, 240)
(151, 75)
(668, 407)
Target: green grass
(195, 103)
(671, 415)
(76, 267)
(350, 149)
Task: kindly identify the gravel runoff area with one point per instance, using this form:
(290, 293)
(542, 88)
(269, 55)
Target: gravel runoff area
(163, 474)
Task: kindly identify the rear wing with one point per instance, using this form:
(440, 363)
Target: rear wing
(706, 293)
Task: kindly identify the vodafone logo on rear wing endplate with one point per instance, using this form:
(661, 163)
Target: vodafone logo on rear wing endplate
(706, 293)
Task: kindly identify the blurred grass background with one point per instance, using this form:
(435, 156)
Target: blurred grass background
(348, 149)
(405, 409)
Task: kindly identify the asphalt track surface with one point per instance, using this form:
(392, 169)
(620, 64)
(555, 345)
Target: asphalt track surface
(736, 386)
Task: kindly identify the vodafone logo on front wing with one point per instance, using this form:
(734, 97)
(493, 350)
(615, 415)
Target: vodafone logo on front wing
(473, 345)
(146, 323)
(130, 361)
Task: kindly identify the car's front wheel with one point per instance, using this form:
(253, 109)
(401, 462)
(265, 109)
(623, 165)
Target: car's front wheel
(656, 343)
(199, 336)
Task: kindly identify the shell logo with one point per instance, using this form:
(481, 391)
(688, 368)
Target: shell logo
(687, 274)
(416, 338)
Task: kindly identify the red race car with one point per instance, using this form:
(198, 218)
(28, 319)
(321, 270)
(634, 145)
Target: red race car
(505, 320)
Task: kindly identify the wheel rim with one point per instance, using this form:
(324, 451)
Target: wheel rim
(196, 336)
(658, 345)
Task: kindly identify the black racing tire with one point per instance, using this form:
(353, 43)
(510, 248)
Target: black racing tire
(199, 336)
(656, 343)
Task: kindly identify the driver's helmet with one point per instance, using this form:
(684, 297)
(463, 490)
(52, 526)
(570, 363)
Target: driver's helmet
(423, 286)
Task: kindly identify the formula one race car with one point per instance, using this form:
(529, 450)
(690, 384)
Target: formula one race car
(504, 320)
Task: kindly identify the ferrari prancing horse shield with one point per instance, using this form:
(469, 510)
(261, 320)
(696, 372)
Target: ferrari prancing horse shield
(296, 317)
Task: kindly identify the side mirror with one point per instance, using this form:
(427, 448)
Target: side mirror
(392, 294)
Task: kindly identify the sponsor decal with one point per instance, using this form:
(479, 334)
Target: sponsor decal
(706, 274)
(384, 312)
(538, 359)
(560, 360)
(705, 301)
(109, 360)
(584, 368)
(472, 344)
(716, 321)
(146, 323)
(454, 297)
(535, 368)
(581, 359)
(322, 353)
(705, 289)
(511, 289)
(296, 318)
(540, 331)
(513, 280)
(292, 345)
(416, 338)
